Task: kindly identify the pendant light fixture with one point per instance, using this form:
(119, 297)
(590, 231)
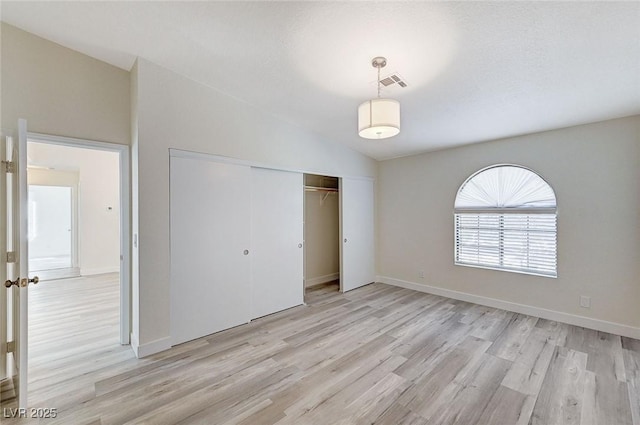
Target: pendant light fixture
(379, 118)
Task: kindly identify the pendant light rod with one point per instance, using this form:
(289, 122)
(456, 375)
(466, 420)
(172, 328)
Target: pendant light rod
(379, 62)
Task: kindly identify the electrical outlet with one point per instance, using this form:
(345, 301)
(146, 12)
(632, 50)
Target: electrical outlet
(421, 274)
(585, 302)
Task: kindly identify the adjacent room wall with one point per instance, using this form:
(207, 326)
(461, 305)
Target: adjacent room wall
(321, 237)
(98, 190)
(60, 91)
(175, 112)
(594, 169)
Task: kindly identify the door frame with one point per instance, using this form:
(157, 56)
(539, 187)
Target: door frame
(125, 215)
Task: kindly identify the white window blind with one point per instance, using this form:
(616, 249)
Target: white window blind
(505, 218)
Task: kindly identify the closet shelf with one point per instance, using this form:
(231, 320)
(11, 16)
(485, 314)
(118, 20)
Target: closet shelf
(319, 189)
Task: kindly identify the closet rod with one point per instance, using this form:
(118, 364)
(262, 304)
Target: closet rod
(319, 189)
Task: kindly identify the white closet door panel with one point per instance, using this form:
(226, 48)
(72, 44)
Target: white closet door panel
(357, 233)
(210, 273)
(276, 240)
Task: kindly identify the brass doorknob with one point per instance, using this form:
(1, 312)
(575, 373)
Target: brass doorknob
(9, 283)
(23, 283)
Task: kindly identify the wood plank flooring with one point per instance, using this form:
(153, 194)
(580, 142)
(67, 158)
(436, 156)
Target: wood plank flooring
(375, 355)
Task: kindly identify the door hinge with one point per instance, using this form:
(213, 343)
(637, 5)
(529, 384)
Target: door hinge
(11, 257)
(11, 347)
(9, 167)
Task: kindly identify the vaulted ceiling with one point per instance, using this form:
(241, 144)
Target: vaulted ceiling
(476, 71)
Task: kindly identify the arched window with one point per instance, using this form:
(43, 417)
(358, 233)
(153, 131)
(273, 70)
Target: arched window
(505, 219)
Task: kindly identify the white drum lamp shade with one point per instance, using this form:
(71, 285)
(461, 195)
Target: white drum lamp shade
(379, 118)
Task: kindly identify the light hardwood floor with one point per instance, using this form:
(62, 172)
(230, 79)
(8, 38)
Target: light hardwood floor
(375, 355)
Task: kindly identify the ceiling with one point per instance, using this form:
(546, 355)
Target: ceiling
(476, 71)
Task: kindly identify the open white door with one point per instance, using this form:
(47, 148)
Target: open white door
(357, 250)
(4, 310)
(15, 264)
(277, 227)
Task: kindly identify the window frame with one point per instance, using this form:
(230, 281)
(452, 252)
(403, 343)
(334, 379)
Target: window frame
(500, 213)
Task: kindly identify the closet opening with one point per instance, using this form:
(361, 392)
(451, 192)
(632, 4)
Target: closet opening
(321, 235)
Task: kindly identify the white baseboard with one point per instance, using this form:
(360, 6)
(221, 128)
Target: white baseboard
(58, 273)
(321, 279)
(150, 348)
(98, 270)
(557, 316)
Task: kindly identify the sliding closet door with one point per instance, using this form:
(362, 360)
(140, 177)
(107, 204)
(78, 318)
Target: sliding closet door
(357, 253)
(210, 242)
(276, 240)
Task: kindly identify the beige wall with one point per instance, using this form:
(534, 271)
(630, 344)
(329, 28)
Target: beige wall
(594, 169)
(63, 92)
(321, 237)
(60, 91)
(175, 112)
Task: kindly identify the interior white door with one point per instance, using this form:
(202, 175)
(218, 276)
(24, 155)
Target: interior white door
(357, 253)
(210, 238)
(14, 270)
(276, 240)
